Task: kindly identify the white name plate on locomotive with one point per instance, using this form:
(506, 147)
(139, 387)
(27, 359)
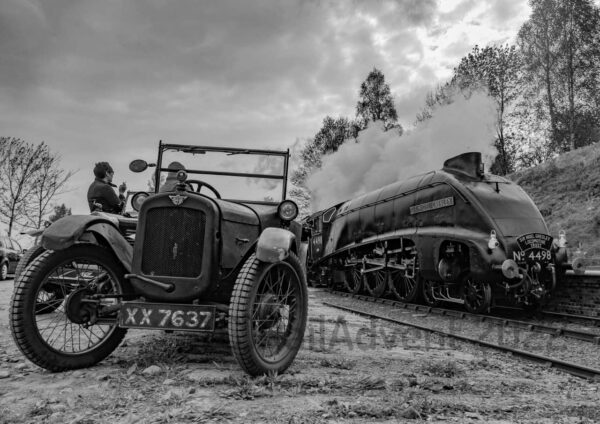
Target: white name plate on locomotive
(429, 206)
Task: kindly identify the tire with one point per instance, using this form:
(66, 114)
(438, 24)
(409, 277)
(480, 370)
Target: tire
(478, 296)
(3, 271)
(26, 259)
(258, 308)
(77, 271)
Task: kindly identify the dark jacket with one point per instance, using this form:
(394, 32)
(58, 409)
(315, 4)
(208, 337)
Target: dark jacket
(103, 193)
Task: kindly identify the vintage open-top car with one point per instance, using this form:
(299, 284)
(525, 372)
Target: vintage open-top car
(199, 262)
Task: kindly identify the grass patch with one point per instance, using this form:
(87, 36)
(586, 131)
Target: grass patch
(339, 363)
(409, 407)
(247, 388)
(160, 350)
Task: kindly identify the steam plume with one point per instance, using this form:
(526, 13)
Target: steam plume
(380, 158)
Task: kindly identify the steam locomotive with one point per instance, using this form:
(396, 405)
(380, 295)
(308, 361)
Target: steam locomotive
(453, 235)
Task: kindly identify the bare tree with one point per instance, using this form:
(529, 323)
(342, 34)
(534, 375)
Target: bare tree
(30, 177)
(49, 181)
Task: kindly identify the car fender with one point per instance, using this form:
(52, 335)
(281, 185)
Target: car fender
(88, 228)
(275, 244)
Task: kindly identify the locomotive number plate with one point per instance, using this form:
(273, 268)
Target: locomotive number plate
(535, 247)
(167, 316)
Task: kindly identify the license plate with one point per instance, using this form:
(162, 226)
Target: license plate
(167, 316)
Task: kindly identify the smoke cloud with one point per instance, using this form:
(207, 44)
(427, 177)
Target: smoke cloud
(380, 158)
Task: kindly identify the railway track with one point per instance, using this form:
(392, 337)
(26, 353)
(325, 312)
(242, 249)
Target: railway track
(571, 368)
(585, 336)
(595, 321)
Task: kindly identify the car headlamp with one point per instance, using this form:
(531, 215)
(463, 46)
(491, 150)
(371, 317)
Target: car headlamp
(137, 200)
(287, 210)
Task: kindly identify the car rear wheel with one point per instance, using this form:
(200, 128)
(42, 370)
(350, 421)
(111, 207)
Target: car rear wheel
(26, 259)
(267, 315)
(68, 332)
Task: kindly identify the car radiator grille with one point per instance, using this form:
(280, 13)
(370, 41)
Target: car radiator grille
(173, 242)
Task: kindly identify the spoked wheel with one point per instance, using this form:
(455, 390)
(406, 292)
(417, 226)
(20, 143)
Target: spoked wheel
(478, 296)
(404, 288)
(49, 299)
(54, 312)
(376, 282)
(26, 259)
(267, 315)
(428, 290)
(353, 279)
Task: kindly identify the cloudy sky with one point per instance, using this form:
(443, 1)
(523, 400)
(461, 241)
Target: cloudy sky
(105, 80)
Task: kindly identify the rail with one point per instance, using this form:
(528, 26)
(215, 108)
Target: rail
(585, 336)
(571, 368)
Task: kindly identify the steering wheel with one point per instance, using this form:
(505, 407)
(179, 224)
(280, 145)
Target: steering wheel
(200, 184)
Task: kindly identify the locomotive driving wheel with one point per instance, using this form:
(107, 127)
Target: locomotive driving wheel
(478, 296)
(404, 288)
(353, 278)
(376, 282)
(267, 314)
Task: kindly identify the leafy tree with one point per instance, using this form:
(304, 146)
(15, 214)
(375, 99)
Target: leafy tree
(30, 177)
(496, 69)
(442, 95)
(333, 133)
(537, 40)
(579, 62)
(561, 50)
(376, 103)
(328, 139)
(60, 211)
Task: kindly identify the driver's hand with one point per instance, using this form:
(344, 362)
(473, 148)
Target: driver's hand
(123, 187)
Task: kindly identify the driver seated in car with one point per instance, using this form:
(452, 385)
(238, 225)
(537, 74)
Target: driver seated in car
(171, 181)
(101, 194)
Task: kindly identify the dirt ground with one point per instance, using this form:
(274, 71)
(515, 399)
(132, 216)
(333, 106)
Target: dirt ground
(349, 369)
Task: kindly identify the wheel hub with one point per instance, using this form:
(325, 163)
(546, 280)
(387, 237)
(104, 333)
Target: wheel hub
(78, 310)
(268, 310)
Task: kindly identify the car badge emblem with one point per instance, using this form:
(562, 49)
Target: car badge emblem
(177, 199)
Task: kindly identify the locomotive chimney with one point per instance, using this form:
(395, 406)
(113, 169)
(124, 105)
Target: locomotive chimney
(467, 164)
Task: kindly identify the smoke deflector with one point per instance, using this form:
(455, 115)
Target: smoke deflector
(467, 164)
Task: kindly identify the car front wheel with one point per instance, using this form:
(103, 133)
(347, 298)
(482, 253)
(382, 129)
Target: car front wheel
(267, 314)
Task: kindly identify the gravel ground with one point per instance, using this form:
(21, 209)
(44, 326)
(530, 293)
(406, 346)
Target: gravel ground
(349, 370)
